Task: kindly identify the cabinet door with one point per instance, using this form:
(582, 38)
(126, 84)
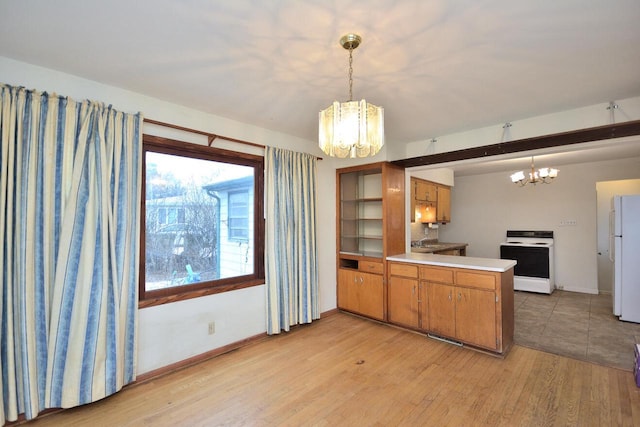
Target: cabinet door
(441, 312)
(361, 293)
(348, 286)
(426, 191)
(371, 295)
(476, 317)
(443, 210)
(403, 301)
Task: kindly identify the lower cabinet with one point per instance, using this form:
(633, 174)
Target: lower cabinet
(361, 293)
(470, 306)
(407, 299)
(476, 317)
(464, 314)
(442, 316)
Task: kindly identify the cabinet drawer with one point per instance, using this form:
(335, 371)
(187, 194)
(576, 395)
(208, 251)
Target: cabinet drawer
(476, 280)
(440, 275)
(370, 267)
(404, 270)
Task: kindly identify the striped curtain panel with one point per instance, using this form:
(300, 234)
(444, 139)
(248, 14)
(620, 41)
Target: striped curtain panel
(291, 259)
(69, 225)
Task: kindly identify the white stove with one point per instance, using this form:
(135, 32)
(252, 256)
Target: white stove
(533, 252)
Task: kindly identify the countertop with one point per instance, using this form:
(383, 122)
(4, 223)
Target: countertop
(431, 247)
(473, 263)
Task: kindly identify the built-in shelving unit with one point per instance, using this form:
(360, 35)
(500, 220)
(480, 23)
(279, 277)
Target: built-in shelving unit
(370, 215)
(361, 215)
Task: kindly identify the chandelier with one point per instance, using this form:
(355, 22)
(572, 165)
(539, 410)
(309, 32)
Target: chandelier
(542, 175)
(352, 128)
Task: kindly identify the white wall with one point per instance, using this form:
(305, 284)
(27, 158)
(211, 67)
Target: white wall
(172, 332)
(483, 207)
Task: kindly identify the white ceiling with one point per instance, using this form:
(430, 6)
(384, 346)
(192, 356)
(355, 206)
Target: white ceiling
(437, 67)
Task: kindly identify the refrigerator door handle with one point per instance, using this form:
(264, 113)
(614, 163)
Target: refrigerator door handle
(612, 233)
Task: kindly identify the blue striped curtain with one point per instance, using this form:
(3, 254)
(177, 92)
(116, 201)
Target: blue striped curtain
(291, 258)
(69, 225)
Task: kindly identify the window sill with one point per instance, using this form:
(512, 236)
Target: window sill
(151, 301)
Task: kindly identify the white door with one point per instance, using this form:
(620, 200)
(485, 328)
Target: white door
(605, 192)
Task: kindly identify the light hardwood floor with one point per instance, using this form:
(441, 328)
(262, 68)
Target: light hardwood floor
(344, 370)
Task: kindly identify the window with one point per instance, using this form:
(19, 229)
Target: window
(239, 215)
(203, 231)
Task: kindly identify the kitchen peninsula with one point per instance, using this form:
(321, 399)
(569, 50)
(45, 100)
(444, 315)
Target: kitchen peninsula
(462, 299)
(467, 300)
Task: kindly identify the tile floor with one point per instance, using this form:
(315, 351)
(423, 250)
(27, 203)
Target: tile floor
(576, 325)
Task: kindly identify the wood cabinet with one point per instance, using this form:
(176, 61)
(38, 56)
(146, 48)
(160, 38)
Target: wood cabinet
(426, 191)
(443, 204)
(361, 293)
(442, 318)
(430, 202)
(470, 306)
(476, 317)
(370, 226)
(406, 297)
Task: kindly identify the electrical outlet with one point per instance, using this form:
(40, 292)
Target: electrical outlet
(212, 328)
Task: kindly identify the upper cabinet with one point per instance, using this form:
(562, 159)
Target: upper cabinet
(430, 201)
(443, 208)
(426, 191)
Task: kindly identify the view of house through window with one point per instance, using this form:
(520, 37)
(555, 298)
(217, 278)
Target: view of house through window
(198, 220)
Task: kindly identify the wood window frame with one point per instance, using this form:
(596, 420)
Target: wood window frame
(157, 144)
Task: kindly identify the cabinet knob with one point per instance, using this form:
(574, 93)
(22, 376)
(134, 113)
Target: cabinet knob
(459, 296)
(449, 296)
(361, 279)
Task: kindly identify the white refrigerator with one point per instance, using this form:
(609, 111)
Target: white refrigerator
(625, 254)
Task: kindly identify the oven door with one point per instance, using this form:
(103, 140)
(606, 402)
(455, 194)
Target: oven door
(532, 261)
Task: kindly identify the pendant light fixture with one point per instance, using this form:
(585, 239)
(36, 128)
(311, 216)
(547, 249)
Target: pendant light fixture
(542, 175)
(352, 128)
